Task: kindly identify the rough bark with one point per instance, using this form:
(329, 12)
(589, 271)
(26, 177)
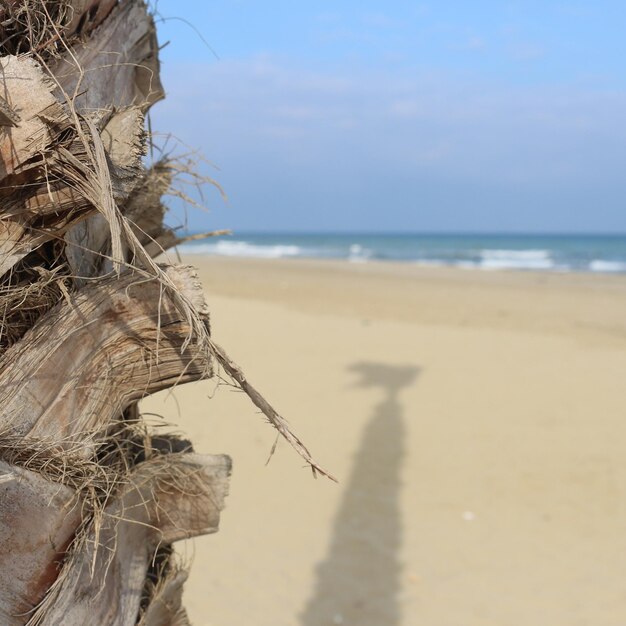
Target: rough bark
(90, 499)
(166, 499)
(115, 341)
(44, 517)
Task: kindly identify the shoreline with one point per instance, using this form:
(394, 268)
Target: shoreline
(532, 301)
(403, 265)
(594, 254)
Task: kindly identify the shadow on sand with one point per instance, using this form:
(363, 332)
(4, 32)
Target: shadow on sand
(358, 582)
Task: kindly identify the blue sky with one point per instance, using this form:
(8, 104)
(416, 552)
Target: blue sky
(401, 116)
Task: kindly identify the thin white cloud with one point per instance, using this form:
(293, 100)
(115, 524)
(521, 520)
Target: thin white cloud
(328, 17)
(476, 43)
(527, 51)
(272, 126)
(380, 21)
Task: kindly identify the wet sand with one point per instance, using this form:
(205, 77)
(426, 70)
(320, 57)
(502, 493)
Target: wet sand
(476, 422)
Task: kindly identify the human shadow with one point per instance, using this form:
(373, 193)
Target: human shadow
(359, 581)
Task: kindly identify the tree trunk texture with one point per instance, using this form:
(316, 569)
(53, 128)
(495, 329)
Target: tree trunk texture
(90, 499)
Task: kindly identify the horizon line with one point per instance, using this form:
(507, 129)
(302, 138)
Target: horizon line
(426, 233)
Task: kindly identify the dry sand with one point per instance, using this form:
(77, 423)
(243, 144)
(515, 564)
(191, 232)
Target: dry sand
(476, 422)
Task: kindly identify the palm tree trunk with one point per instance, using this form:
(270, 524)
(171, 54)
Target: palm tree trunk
(91, 500)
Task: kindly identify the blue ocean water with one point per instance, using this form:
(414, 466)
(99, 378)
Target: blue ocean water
(564, 253)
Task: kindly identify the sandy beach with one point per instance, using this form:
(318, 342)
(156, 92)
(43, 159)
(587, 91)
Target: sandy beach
(475, 422)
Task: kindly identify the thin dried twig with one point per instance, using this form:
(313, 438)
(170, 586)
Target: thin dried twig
(279, 422)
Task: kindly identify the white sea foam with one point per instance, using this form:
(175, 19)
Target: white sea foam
(488, 256)
(516, 260)
(242, 249)
(598, 265)
(431, 263)
(359, 254)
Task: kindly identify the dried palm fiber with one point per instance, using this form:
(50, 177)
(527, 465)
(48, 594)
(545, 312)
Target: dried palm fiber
(91, 497)
(32, 25)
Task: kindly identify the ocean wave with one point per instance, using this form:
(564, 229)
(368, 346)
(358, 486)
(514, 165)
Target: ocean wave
(243, 249)
(432, 263)
(516, 259)
(599, 265)
(359, 254)
(560, 255)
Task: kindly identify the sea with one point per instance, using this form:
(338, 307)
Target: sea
(553, 253)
